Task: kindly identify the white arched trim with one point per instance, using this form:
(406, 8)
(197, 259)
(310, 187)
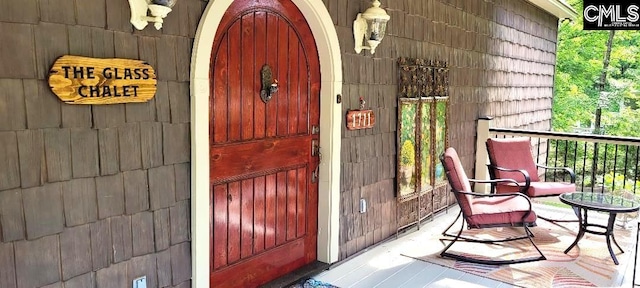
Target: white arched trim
(326, 39)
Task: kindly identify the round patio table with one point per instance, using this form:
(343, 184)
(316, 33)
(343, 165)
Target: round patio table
(608, 203)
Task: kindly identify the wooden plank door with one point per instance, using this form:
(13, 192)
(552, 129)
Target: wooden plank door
(263, 202)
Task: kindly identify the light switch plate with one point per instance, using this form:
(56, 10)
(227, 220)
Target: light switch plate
(140, 282)
(363, 205)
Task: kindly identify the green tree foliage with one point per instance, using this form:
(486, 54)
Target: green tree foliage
(580, 55)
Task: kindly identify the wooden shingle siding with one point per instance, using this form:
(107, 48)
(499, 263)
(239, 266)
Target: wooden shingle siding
(151, 140)
(501, 55)
(136, 191)
(180, 263)
(12, 112)
(183, 181)
(7, 260)
(43, 110)
(176, 143)
(121, 238)
(13, 216)
(110, 195)
(108, 145)
(179, 216)
(163, 265)
(75, 251)
(18, 51)
(162, 187)
(76, 116)
(57, 151)
(129, 140)
(51, 41)
(161, 228)
(144, 265)
(93, 196)
(84, 280)
(162, 102)
(37, 262)
(179, 102)
(142, 232)
(101, 255)
(108, 116)
(31, 153)
(113, 277)
(43, 212)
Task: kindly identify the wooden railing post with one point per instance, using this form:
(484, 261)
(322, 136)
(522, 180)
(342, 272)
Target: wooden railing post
(482, 157)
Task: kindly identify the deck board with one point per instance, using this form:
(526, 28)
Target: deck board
(384, 266)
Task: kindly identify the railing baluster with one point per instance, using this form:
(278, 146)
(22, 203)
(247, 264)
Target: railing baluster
(594, 166)
(584, 165)
(615, 161)
(635, 177)
(604, 166)
(566, 152)
(626, 160)
(546, 156)
(555, 161)
(575, 157)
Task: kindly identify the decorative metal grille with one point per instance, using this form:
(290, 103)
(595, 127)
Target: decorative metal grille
(423, 112)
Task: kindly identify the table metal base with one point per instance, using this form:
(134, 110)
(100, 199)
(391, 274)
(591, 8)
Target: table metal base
(608, 232)
(635, 259)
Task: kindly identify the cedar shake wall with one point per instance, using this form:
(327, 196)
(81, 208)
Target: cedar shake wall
(93, 195)
(98, 195)
(501, 55)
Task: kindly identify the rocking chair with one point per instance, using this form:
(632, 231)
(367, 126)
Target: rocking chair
(480, 210)
(511, 158)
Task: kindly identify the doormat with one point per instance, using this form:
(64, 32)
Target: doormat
(312, 283)
(587, 265)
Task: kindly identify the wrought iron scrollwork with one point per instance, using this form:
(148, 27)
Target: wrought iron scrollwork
(422, 78)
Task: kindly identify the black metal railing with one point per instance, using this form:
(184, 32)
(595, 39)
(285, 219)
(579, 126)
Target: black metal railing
(601, 163)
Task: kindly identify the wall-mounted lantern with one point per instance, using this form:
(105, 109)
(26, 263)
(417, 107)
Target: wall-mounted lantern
(140, 10)
(369, 27)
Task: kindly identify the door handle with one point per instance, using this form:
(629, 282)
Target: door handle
(315, 150)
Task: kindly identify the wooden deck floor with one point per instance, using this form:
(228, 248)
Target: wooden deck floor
(384, 266)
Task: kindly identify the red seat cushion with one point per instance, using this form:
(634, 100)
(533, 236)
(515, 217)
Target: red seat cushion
(499, 211)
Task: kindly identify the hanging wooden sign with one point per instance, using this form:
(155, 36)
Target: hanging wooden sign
(360, 119)
(84, 80)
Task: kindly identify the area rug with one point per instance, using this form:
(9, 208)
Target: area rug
(586, 265)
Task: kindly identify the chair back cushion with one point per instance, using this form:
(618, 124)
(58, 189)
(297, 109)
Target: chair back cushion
(512, 153)
(457, 179)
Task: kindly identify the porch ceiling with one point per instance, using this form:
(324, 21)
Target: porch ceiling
(559, 8)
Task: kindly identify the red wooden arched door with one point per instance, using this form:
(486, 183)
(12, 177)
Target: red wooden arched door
(264, 194)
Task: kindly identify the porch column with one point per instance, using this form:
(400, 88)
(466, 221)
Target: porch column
(482, 156)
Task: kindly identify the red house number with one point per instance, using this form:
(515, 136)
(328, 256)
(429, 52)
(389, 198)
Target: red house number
(360, 119)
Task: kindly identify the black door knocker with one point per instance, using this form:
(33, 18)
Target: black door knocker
(269, 84)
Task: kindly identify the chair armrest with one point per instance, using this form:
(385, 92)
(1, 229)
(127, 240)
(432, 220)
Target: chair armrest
(494, 181)
(566, 169)
(475, 194)
(524, 173)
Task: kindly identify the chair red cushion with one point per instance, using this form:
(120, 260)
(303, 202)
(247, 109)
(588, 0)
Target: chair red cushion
(499, 211)
(484, 211)
(512, 153)
(539, 189)
(457, 178)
